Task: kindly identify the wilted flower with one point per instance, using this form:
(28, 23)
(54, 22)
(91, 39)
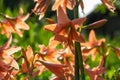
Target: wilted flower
(41, 7)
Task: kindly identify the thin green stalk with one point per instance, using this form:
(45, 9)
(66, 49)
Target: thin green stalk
(80, 60)
(77, 75)
(78, 55)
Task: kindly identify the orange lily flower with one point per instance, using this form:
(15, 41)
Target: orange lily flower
(6, 59)
(50, 52)
(92, 44)
(65, 29)
(94, 73)
(67, 58)
(60, 70)
(64, 3)
(29, 64)
(41, 7)
(15, 25)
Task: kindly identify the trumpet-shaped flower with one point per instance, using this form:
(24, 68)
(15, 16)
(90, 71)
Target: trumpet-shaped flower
(95, 73)
(92, 44)
(65, 30)
(50, 53)
(29, 63)
(14, 25)
(6, 59)
(60, 70)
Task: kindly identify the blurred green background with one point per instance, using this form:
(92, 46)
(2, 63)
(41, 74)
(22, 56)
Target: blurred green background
(37, 35)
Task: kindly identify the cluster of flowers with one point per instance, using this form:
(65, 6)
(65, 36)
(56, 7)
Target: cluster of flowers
(60, 61)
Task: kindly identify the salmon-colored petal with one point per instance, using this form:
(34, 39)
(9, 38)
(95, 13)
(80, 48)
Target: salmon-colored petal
(50, 21)
(94, 53)
(7, 28)
(21, 25)
(14, 64)
(57, 4)
(24, 67)
(101, 41)
(9, 60)
(29, 54)
(92, 37)
(95, 73)
(3, 66)
(25, 17)
(78, 22)
(60, 38)
(12, 50)
(50, 27)
(61, 16)
(53, 43)
(57, 69)
(78, 37)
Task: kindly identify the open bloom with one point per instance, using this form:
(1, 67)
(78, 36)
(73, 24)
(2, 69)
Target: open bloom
(6, 59)
(49, 53)
(92, 44)
(65, 29)
(14, 25)
(60, 70)
(29, 64)
(95, 73)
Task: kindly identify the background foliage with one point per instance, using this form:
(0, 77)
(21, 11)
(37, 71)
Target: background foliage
(36, 35)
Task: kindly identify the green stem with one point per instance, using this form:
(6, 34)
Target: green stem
(78, 54)
(77, 76)
(80, 60)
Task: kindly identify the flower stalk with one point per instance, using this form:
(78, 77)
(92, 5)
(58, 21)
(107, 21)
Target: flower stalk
(79, 68)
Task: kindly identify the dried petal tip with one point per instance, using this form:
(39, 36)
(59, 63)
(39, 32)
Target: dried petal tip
(109, 5)
(41, 7)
